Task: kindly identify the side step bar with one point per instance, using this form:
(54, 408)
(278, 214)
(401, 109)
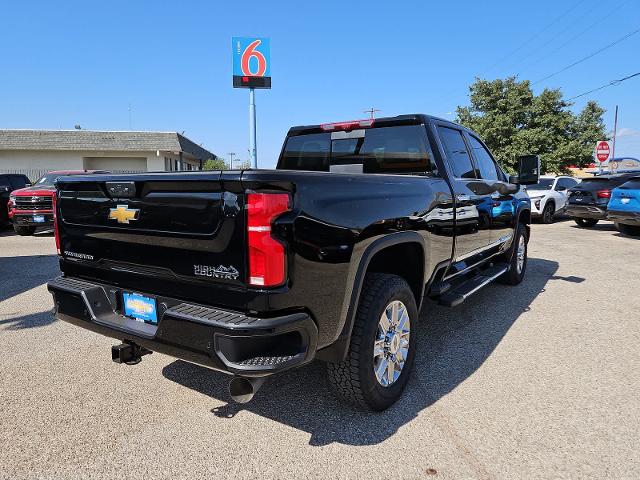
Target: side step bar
(458, 295)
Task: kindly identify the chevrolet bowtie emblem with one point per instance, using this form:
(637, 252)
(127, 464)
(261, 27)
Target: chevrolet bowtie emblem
(124, 214)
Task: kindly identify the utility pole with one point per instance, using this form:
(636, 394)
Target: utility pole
(615, 131)
(372, 112)
(231, 154)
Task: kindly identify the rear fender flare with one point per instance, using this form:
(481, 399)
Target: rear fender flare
(337, 350)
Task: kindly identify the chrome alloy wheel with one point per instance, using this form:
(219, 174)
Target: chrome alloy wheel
(521, 253)
(391, 346)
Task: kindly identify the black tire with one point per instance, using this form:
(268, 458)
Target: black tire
(585, 222)
(548, 212)
(354, 379)
(631, 230)
(24, 231)
(515, 275)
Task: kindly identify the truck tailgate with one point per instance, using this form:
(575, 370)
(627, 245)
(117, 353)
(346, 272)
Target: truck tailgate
(181, 228)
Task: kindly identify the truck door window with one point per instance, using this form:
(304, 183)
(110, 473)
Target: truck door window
(4, 182)
(486, 164)
(457, 154)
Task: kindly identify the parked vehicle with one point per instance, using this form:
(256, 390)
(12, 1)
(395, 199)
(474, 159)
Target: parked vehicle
(588, 200)
(624, 207)
(549, 196)
(9, 182)
(258, 271)
(32, 207)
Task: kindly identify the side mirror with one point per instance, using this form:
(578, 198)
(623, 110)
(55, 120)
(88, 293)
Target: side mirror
(528, 170)
(507, 188)
(561, 189)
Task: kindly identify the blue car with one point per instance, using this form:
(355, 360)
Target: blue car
(624, 207)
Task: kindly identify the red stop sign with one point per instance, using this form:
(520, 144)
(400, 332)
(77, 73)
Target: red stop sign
(602, 151)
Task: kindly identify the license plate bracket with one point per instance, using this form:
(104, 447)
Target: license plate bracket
(140, 307)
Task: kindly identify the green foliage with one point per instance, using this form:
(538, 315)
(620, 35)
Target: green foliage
(215, 164)
(513, 121)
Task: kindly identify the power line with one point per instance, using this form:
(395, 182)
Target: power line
(611, 83)
(591, 55)
(535, 35)
(581, 32)
(520, 47)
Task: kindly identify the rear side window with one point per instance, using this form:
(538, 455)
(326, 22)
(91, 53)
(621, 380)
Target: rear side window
(457, 154)
(4, 181)
(395, 149)
(633, 184)
(485, 161)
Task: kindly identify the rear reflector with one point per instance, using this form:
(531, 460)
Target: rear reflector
(56, 233)
(266, 254)
(350, 125)
(603, 194)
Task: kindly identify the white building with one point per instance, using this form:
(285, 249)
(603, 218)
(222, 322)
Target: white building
(34, 152)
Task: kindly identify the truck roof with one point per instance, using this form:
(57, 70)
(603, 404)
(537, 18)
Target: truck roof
(408, 119)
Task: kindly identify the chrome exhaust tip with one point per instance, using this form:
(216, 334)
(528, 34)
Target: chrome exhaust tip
(242, 389)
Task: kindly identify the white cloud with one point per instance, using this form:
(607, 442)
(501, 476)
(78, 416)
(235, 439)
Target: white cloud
(628, 132)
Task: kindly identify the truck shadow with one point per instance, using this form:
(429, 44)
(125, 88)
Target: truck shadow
(452, 345)
(33, 320)
(19, 274)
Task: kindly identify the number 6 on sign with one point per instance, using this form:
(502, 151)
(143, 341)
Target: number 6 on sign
(251, 62)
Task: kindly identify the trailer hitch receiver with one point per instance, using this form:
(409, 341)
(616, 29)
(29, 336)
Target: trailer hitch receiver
(128, 353)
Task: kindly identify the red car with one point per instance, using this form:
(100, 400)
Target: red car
(31, 207)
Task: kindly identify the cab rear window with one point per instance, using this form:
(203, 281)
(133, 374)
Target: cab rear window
(396, 149)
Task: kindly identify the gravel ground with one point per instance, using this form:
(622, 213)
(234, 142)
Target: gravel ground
(535, 381)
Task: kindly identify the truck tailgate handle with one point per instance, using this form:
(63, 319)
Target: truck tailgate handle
(463, 197)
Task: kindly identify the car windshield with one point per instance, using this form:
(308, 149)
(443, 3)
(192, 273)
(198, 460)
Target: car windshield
(543, 184)
(47, 180)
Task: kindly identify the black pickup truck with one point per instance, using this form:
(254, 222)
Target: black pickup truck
(327, 257)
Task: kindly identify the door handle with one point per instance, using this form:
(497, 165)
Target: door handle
(463, 197)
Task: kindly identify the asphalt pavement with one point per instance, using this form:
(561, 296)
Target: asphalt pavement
(535, 381)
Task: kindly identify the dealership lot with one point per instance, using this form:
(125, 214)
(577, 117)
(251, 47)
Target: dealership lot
(535, 381)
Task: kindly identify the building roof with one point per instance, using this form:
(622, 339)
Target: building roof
(91, 140)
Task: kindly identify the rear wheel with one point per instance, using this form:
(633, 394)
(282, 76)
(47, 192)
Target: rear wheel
(24, 230)
(382, 348)
(585, 222)
(632, 230)
(548, 212)
(518, 259)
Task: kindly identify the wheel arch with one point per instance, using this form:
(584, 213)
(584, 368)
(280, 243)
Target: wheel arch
(378, 256)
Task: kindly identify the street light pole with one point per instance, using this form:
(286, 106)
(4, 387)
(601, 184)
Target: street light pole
(231, 154)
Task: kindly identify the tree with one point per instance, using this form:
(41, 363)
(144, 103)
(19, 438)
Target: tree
(513, 121)
(215, 164)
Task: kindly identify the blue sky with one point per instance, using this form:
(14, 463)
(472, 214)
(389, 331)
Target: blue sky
(66, 63)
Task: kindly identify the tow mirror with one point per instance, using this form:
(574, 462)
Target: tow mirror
(528, 170)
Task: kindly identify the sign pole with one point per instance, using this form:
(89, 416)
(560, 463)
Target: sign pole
(253, 148)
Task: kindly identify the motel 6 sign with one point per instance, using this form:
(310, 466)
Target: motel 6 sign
(251, 62)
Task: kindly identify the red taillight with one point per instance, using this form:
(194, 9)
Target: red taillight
(54, 201)
(350, 125)
(266, 254)
(603, 194)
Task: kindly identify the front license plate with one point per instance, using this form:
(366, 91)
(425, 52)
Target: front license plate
(140, 307)
(38, 218)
